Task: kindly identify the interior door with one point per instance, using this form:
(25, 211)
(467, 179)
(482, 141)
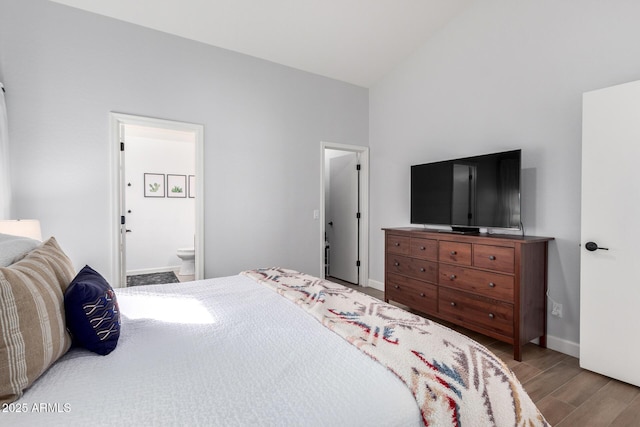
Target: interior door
(123, 226)
(609, 286)
(342, 230)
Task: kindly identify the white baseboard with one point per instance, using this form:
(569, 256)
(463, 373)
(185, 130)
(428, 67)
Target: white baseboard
(375, 285)
(563, 346)
(153, 270)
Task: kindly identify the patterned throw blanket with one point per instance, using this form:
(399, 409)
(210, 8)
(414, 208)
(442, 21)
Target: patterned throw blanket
(455, 380)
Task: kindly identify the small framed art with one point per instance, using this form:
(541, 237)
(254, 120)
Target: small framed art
(192, 186)
(176, 185)
(153, 185)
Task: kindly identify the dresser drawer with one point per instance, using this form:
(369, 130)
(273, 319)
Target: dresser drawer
(454, 252)
(492, 285)
(397, 244)
(498, 258)
(397, 264)
(414, 293)
(424, 248)
(415, 268)
(490, 314)
(424, 270)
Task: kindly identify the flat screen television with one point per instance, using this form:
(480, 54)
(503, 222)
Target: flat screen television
(468, 193)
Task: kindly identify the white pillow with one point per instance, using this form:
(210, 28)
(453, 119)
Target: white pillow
(14, 248)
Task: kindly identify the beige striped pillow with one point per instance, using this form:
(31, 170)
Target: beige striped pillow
(32, 317)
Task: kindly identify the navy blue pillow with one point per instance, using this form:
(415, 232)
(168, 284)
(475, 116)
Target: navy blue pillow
(92, 313)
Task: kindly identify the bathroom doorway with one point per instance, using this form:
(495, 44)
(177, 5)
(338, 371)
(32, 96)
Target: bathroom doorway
(159, 200)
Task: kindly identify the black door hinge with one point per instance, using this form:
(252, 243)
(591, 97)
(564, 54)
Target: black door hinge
(121, 219)
(358, 215)
(122, 146)
(357, 167)
(358, 263)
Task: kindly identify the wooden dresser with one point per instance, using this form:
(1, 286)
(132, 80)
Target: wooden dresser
(492, 284)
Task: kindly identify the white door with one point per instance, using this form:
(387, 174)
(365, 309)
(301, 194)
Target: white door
(123, 216)
(342, 227)
(609, 286)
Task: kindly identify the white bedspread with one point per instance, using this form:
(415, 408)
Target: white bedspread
(225, 352)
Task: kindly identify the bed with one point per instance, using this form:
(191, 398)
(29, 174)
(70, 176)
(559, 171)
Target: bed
(272, 347)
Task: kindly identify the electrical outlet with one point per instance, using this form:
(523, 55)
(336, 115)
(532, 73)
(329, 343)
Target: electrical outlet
(557, 309)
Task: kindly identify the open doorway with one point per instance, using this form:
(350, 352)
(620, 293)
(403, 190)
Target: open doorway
(157, 197)
(344, 213)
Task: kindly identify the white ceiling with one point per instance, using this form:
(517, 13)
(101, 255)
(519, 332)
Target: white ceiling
(356, 41)
(147, 132)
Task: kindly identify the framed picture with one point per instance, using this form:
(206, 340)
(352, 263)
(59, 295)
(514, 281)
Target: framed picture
(192, 186)
(176, 185)
(153, 185)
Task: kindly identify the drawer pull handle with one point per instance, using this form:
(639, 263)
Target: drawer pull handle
(492, 285)
(396, 263)
(452, 277)
(492, 258)
(422, 269)
(453, 304)
(397, 243)
(422, 248)
(453, 252)
(491, 316)
(396, 286)
(422, 294)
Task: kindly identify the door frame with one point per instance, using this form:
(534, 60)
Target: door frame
(117, 185)
(364, 206)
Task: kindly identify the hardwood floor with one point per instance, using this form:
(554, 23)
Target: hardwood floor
(566, 395)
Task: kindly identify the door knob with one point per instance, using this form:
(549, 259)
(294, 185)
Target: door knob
(593, 246)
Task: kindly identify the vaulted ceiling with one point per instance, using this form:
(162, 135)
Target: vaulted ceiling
(356, 41)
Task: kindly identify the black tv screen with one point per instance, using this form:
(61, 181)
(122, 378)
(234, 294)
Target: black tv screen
(474, 192)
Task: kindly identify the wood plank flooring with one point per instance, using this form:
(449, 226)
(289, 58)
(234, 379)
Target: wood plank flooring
(566, 394)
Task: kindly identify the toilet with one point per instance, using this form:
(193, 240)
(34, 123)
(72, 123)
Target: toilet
(188, 257)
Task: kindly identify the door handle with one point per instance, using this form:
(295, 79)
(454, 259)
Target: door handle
(593, 246)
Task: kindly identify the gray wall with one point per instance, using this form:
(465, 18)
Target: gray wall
(66, 69)
(505, 75)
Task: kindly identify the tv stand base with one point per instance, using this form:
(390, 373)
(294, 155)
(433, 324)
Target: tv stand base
(465, 230)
